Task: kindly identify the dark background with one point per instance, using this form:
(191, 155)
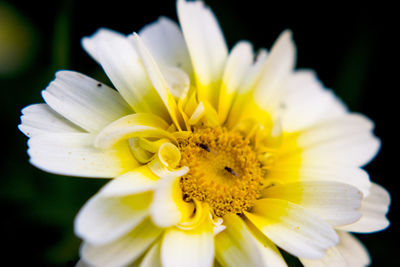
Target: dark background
(352, 48)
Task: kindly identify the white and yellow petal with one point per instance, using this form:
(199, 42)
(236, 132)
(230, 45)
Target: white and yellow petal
(139, 180)
(289, 172)
(104, 219)
(237, 67)
(238, 246)
(134, 125)
(345, 140)
(74, 154)
(207, 48)
(293, 228)
(168, 208)
(195, 247)
(336, 203)
(121, 62)
(152, 257)
(124, 250)
(278, 66)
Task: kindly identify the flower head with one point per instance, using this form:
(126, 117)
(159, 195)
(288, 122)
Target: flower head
(216, 157)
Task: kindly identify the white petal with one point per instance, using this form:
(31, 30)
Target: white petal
(279, 65)
(152, 257)
(238, 246)
(336, 203)
(178, 82)
(74, 154)
(245, 98)
(84, 101)
(157, 79)
(134, 125)
(293, 228)
(121, 63)
(353, 176)
(165, 41)
(40, 118)
(332, 129)
(82, 263)
(352, 250)
(237, 67)
(168, 207)
(122, 251)
(139, 180)
(255, 72)
(373, 208)
(194, 248)
(104, 219)
(332, 258)
(354, 150)
(305, 101)
(207, 47)
(346, 140)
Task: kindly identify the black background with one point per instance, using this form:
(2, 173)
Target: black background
(352, 48)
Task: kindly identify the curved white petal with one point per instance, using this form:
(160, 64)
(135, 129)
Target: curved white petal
(74, 154)
(157, 79)
(124, 250)
(245, 99)
(237, 67)
(168, 207)
(165, 41)
(332, 129)
(178, 82)
(332, 258)
(182, 248)
(353, 176)
(305, 101)
(139, 180)
(207, 48)
(260, 94)
(39, 119)
(293, 228)
(238, 246)
(352, 250)
(346, 140)
(85, 102)
(278, 66)
(134, 125)
(119, 59)
(354, 150)
(348, 253)
(336, 203)
(152, 257)
(373, 208)
(104, 219)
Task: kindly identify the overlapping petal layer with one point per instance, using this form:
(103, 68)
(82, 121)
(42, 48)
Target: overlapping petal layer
(169, 83)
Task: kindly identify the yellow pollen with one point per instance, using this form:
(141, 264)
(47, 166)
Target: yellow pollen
(223, 170)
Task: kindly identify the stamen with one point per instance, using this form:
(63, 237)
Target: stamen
(229, 179)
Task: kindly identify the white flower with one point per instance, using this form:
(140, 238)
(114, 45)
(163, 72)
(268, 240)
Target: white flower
(217, 157)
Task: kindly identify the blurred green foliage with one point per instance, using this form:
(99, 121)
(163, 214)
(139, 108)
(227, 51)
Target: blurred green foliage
(341, 44)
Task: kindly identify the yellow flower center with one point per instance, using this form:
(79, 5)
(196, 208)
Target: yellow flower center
(223, 170)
